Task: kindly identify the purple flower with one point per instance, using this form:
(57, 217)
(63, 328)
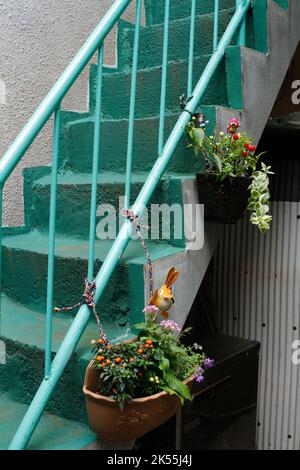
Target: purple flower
(151, 309)
(199, 378)
(151, 312)
(170, 325)
(208, 363)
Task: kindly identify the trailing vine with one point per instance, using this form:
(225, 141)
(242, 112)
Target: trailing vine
(259, 198)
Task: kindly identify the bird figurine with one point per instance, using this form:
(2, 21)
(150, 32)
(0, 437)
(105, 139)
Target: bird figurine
(163, 298)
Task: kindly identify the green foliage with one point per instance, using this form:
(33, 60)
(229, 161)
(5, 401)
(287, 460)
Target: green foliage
(232, 154)
(153, 362)
(259, 198)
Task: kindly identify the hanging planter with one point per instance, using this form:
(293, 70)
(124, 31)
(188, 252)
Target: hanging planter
(225, 201)
(230, 182)
(134, 386)
(139, 417)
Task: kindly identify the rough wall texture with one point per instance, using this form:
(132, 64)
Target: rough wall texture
(38, 39)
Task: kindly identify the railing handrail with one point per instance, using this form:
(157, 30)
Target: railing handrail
(49, 104)
(81, 319)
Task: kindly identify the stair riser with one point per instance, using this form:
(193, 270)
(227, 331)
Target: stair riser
(24, 371)
(116, 89)
(78, 143)
(151, 40)
(73, 206)
(180, 9)
(29, 287)
(113, 146)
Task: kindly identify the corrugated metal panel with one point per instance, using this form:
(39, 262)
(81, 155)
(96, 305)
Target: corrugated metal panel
(256, 286)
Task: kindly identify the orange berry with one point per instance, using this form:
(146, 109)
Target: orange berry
(100, 341)
(140, 351)
(103, 364)
(149, 341)
(108, 361)
(132, 359)
(147, 345)
(118, 359)
(99, 358)
(108, 346)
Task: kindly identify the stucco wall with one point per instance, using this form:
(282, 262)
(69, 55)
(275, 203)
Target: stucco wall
(38, 39)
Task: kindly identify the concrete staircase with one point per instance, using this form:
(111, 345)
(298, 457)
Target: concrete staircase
(64, 425)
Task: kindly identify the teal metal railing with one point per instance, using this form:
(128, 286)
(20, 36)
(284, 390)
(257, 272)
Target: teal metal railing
(51, 105)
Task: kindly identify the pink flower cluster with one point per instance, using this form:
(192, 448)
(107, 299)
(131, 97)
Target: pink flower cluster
(233, 125)
(170, 325)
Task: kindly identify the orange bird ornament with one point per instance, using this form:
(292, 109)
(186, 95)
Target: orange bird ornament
(164, 298)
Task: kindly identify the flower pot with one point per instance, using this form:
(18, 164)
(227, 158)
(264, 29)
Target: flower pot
(142, 415)
(224, 201)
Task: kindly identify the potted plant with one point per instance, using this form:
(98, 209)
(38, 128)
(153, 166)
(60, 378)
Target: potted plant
(230, 181)
(134, 386)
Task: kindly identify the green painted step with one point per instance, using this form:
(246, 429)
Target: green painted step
(74, 196)
(154, 9)
(116, 89)
(283, 3)
(77, 143)
(52, 433)
(28, 287)
(23, 331)
(151, 40)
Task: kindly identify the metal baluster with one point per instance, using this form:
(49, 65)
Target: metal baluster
(216, 25)
(51, 249)
(132, 103)
(96, 155)
(191, 49)
(164, 79)
(241, 39)
(1, 208)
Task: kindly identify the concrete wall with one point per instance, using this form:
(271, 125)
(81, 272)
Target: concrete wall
(38, 39)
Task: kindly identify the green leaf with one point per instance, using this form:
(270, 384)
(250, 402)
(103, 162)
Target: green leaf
(178, 386)
(164, 364)
(197, 134)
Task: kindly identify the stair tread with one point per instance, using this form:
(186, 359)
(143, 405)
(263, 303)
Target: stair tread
(19, 323)
(104, 177)
(37, 242)
(52, 432)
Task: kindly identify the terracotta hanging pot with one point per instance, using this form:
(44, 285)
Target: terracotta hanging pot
(142, 415)
(224, 201)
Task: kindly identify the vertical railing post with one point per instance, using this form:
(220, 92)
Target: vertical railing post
(216, 25)
(191, 49)
(132, 103)
(164, 79)
(241, 38)
(1, 208)
(96, 162)
(51, 249)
